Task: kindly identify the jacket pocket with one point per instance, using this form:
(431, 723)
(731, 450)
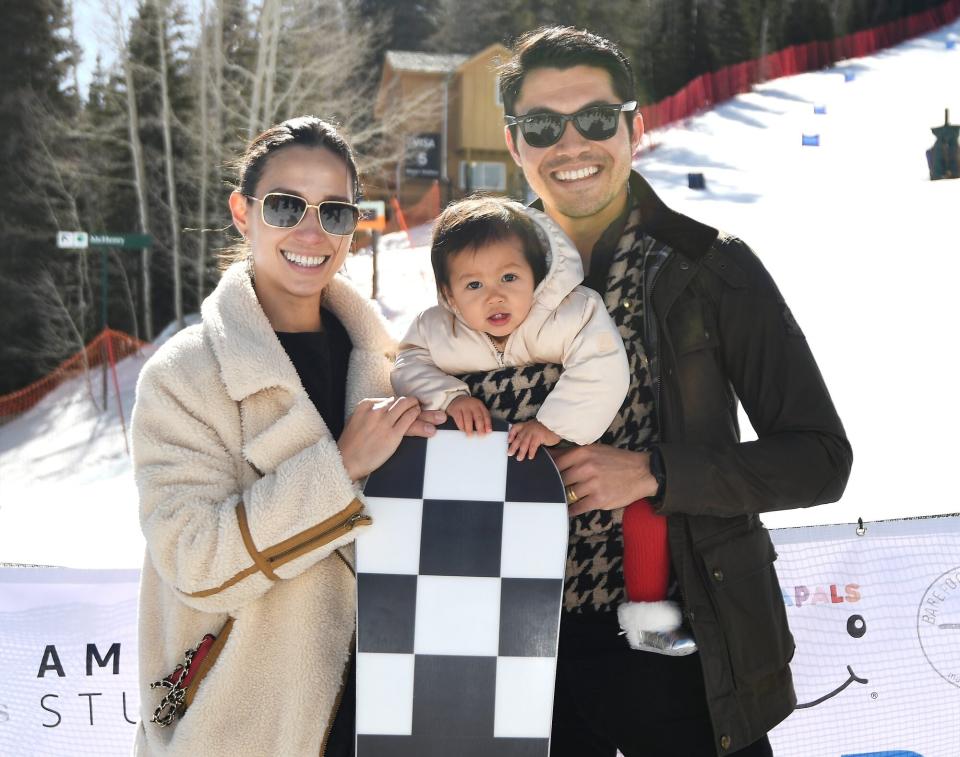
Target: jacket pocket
(692, 326)
(207, 663)
(182, 684)
(743, 583)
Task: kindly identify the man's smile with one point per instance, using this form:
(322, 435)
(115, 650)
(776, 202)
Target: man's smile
(575, 174)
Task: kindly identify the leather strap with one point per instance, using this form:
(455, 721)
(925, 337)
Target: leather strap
(258, 559)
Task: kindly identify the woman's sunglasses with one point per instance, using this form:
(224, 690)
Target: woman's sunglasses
(597, 123)
(283, 211)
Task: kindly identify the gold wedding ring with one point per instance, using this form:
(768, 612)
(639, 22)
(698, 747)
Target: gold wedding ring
(571, 495)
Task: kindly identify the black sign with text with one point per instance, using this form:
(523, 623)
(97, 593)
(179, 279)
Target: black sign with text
(422, 156)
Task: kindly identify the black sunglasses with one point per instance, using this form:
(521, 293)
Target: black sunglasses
(283, 211)
(597, 123)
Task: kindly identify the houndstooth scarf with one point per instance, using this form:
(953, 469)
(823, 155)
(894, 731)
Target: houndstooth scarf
(594, 572)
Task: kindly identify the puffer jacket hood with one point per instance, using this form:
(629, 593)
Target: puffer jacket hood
(564, 268)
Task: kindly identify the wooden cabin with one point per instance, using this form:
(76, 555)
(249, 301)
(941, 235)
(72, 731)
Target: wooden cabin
(456, 95)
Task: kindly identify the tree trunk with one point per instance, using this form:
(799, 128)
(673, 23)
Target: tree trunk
(270, 74)
(139, 183)
(259, 74)
(204, 165)
(168, 162)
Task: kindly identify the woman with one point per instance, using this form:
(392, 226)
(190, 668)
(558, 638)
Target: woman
(248, 471)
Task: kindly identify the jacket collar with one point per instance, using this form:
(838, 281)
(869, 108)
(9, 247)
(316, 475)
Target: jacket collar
(251, 357)
(679, 232)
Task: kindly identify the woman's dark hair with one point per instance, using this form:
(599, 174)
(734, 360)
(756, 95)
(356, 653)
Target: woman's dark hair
(474, 223)
(302, 131)
(564, 47)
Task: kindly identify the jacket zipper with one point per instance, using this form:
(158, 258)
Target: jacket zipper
(497, 352)
(348, 524)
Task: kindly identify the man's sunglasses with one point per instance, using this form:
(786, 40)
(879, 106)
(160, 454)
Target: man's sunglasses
(597, 123)
(283, 211)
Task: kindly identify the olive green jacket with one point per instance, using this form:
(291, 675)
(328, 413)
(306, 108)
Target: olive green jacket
(719, 331)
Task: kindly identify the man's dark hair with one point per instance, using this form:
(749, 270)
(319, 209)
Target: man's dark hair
(564, 47)
(474, 223)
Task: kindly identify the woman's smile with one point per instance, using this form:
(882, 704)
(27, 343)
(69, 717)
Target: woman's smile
(304, 261)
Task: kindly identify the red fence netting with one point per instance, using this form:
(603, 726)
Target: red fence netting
(713, 88)
(108, 347)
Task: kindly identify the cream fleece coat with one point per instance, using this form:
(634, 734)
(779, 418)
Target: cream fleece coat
(243, 500)
(568, 324)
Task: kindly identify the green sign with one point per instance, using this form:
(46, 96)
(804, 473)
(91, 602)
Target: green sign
(123, 241)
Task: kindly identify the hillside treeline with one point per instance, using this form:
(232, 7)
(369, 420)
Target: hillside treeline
(145, 149)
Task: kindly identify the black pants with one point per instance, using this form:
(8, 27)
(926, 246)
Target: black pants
(609, 696)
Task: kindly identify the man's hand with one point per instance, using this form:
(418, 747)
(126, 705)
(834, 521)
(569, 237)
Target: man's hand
(525, 439)
(426, 424)
(600, 477)
(470, 414)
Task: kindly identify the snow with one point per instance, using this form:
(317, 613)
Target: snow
(861, 243)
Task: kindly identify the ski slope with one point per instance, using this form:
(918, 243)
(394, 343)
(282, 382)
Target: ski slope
(863, 246)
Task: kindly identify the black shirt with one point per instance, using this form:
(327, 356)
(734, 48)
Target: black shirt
(320, 358)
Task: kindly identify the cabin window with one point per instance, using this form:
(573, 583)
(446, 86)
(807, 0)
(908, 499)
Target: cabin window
(475, 174)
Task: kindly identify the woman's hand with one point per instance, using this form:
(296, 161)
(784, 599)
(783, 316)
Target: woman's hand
(470, 414)
(525, 439)
(426, 424)
(374, 432)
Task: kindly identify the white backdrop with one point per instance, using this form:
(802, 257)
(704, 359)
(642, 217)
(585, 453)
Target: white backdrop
(876, 618)
(897, 628)
(56, 626)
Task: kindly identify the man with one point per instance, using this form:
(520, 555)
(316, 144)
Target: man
(715, 329)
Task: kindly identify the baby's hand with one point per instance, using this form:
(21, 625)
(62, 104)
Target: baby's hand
(525, 439)
(470, 414)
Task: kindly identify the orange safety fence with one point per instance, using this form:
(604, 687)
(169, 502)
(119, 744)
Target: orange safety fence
(713, 88)
(422, 211)
(107, 347)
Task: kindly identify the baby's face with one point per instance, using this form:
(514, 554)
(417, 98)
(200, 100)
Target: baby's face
(492, 287)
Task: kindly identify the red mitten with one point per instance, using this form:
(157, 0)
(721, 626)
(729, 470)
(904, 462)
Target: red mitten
(646, 554)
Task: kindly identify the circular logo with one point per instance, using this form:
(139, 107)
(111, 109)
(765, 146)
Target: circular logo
(938, 625)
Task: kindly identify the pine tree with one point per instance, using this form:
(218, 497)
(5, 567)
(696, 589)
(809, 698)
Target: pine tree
(738, 31)
(808, 21)
(408, 24)
(144, 53)
(36, 52)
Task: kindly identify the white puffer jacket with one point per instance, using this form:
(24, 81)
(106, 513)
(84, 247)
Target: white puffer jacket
(568, 324)
(243, 501)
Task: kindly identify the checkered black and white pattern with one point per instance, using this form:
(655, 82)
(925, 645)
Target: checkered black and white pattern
(460, 582)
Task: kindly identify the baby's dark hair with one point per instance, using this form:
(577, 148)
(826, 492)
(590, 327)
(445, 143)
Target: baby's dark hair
(476, 222)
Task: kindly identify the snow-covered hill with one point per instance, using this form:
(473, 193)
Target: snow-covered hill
(864, 248)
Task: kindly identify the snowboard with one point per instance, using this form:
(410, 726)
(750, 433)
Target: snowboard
(459, 591)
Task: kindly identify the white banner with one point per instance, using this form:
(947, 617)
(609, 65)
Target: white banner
(68, 642)
(877, 624)
(876, 619)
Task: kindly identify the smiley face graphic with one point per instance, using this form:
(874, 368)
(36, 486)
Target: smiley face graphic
(857, 629)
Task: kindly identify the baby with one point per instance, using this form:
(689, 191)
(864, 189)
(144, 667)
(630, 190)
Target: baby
(508, 284)
(507, 279)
